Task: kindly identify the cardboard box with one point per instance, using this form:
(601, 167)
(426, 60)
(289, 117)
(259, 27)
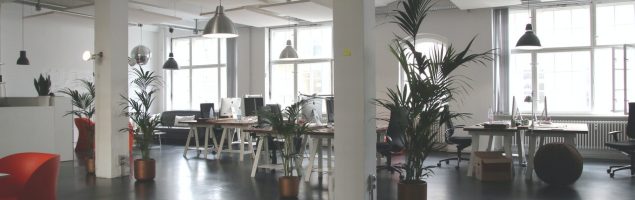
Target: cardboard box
(492, 166)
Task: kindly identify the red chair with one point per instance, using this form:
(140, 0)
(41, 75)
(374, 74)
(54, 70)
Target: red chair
(83, 143)
(31, 176)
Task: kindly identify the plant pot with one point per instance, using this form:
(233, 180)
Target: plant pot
(44, 100)
(412, 191)
(144, 170)
(90, 165)
(289, 186)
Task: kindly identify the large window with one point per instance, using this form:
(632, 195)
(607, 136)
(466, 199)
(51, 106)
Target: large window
(581, 67)
(427, 44)
(311, 73)
(202, 77)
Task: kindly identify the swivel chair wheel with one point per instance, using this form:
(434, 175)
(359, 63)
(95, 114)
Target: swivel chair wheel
(438, 164)
(611, 175)
(447, 162)
(608, 171)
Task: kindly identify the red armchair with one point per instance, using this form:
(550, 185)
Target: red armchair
(31, 176)
(83, 143)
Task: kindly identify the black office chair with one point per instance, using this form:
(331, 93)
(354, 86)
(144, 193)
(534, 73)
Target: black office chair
(628, 146)
(395, 144)
(461, 142)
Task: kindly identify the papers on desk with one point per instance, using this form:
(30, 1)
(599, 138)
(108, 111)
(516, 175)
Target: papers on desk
(496, 124)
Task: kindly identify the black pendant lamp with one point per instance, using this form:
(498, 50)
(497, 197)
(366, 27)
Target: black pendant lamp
(171, 64)
(23, 60)
(529, 40)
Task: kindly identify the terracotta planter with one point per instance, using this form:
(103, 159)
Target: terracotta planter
(289, 186)
(144, 170)
(90, 165)
(412, 191)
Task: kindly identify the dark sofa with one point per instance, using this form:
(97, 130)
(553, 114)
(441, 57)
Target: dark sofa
(178, 134)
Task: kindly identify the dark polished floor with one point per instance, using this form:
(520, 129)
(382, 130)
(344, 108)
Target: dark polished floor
(227, 178)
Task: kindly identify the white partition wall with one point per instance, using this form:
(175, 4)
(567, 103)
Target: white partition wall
(26, 127)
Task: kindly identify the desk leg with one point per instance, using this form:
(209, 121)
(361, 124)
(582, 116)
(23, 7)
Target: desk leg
(328, 154)
(475, 144)
(320, 158)
(570, 139)
(520, 145)
(187, 142)
(254, 168)
(241, 137)
(198, 146)
(206, 142)
(530, 156)
(213, 135)
(312, 150)
(490, 143)
(508, 147)
(222, 141)
(251, 146)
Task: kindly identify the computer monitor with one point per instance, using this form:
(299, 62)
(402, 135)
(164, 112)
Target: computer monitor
(230, 107)
(330, 109)
(252, 105)
(207, 110)
(312, 110)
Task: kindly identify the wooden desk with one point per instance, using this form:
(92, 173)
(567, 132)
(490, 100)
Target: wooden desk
(567, 131)
(478, 130)
(316, 135)
(225, 124)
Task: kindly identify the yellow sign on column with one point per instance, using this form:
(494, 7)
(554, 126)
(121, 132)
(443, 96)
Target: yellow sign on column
(347, 52)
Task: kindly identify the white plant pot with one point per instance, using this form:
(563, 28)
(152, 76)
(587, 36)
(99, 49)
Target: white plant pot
(44, 100)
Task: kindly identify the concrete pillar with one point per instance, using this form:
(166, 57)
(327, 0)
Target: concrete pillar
(111, 77)
(354, 75)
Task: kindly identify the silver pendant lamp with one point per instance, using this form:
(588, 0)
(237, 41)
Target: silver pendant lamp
(171, 64)
(140, 54)
(289, 52)
(220, 26)
(23, 60)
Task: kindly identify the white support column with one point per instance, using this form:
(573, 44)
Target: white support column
(354, 82)
(111, 77)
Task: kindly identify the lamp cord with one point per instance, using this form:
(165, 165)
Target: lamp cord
(22, 27)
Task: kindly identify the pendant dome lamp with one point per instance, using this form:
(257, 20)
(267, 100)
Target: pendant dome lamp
(23, 60)
(529, 40)
(171, 64)
(220, 26)
(288, 53)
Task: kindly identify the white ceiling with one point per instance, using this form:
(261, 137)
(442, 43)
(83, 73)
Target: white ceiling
(257, 13)
(254, 17)
(475, 4)
(305, 10)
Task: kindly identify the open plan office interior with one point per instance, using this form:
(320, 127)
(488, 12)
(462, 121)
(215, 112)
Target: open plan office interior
(317, 99)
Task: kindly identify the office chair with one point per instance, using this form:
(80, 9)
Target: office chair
(461, 142)
(628, 146)
(395, 143)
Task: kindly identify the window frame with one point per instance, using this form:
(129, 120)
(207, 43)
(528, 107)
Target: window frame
(170, 95)
(591, 48)
(295, 62)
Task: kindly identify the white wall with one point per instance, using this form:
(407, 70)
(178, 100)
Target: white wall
(458, 27)
(54, 45)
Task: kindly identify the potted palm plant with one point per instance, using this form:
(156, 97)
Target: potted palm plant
(84, 103)
(430, 85)
(287, 125)
(137, 108)
(43, 89)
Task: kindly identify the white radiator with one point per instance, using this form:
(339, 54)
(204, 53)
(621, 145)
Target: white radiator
(597, 136)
